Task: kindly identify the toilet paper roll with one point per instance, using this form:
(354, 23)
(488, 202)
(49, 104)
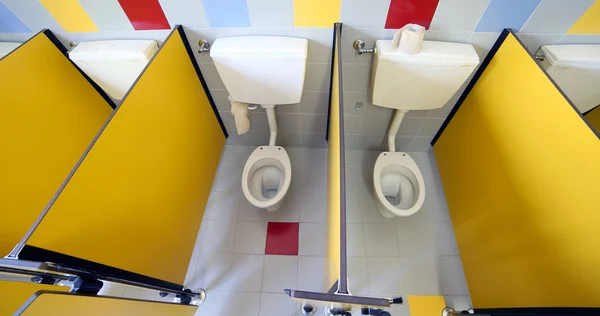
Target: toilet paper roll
(409, 39)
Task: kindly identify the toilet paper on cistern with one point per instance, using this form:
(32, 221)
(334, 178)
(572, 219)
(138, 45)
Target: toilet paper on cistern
(409, 39)
(241, 116)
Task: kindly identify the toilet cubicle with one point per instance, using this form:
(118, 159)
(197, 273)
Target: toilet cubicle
(128, 204)
(520, 167)
(336, 278)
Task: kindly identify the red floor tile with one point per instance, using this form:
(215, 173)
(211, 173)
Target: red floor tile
(282, 239)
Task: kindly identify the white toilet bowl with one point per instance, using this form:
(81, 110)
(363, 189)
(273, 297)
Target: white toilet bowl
(399, 185)
(266, 177)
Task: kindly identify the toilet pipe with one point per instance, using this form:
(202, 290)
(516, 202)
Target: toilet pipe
(394, 127)
(270, 108)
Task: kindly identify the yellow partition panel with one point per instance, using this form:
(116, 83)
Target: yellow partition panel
(14, 294)
(137, 199)
(50, 115)
(334, 169)
(46, 303)
(521, 176)
(589, 22)
(593, 118)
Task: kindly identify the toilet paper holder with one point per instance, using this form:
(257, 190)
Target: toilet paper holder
(359, 46)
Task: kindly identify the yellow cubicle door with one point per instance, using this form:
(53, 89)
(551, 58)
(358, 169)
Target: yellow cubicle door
(13, 294)
(50, 115)
(334, 168)
(136, 201)
(593, 118)
(46, 303)
(521, 173)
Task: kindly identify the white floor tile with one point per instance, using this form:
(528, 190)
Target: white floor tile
(213, 272)
(224, 205)
(312, 208)
(250, 237)
(311, 274)
(288, 212)
(246, 272)
(353, 208)
(280, 272)
(311, 239)
(241, 303)
(369, 211)
(452, 276)
(380, 240)
(425, 239)
(213, 305)
(421, 276)
(219, 236)
(459, 303)
(355, 240)
(228, 179)
(385, 276)
(358, 277)
(274, 304)
(434, 206)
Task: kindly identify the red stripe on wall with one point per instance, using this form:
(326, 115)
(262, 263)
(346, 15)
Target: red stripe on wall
(403, 12)
(145, 14)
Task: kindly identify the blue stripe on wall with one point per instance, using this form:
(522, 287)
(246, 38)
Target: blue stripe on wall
(502, 14)
(9, 23)
(227, 13)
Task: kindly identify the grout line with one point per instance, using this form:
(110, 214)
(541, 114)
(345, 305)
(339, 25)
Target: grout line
(481, 17)
(529, 18)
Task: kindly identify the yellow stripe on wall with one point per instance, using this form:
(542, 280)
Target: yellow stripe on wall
(49, 116)
(521, 175)
(589, 22)
(316, 13)
(70, 15)
(145, 183)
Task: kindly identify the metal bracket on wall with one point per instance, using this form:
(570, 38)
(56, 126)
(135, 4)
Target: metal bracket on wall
(203, 46)
(359, 46)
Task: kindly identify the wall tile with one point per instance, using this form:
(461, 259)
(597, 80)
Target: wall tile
(227, 13)
(589, 22)
(430, 127)
(313, 123)
(410, 126)
(283, 108)
(402, 12)
(417, 113)
(211, 75)
(317, 77)
(231, 31)
(10, 23)
(220, 96)
(70, 15)
(388, 34)
(448, 36)
(107, 15)
(194, 35)
(273, 31)
(458, 15)
(483, 42)
(285, 139)
(365, 14)
(319, 43)
(374, 125)
(33, 14)
(271, 13)
(316, 13)
(189, 13)
(555, 16)
(15, 37)
(502, 14)
(287, 122)
(145, 15)
(369, 142)
(156, 35)
(403, 143)
(236, 140)
(533, 42)
(349, 54)
(352, 124)
(314, 102)
(356, 77)
(350, 100)
(421, 144)
(257, 138)
(313, 140)
(580, 39)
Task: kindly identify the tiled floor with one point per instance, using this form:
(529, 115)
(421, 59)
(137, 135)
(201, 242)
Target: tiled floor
(244, 257)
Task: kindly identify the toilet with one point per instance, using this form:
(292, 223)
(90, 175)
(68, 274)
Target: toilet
(576, 70)
(403, 82)
(269, 71)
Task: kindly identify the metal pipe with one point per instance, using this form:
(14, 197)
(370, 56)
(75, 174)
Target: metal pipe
(394, 127)
(270, 108)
